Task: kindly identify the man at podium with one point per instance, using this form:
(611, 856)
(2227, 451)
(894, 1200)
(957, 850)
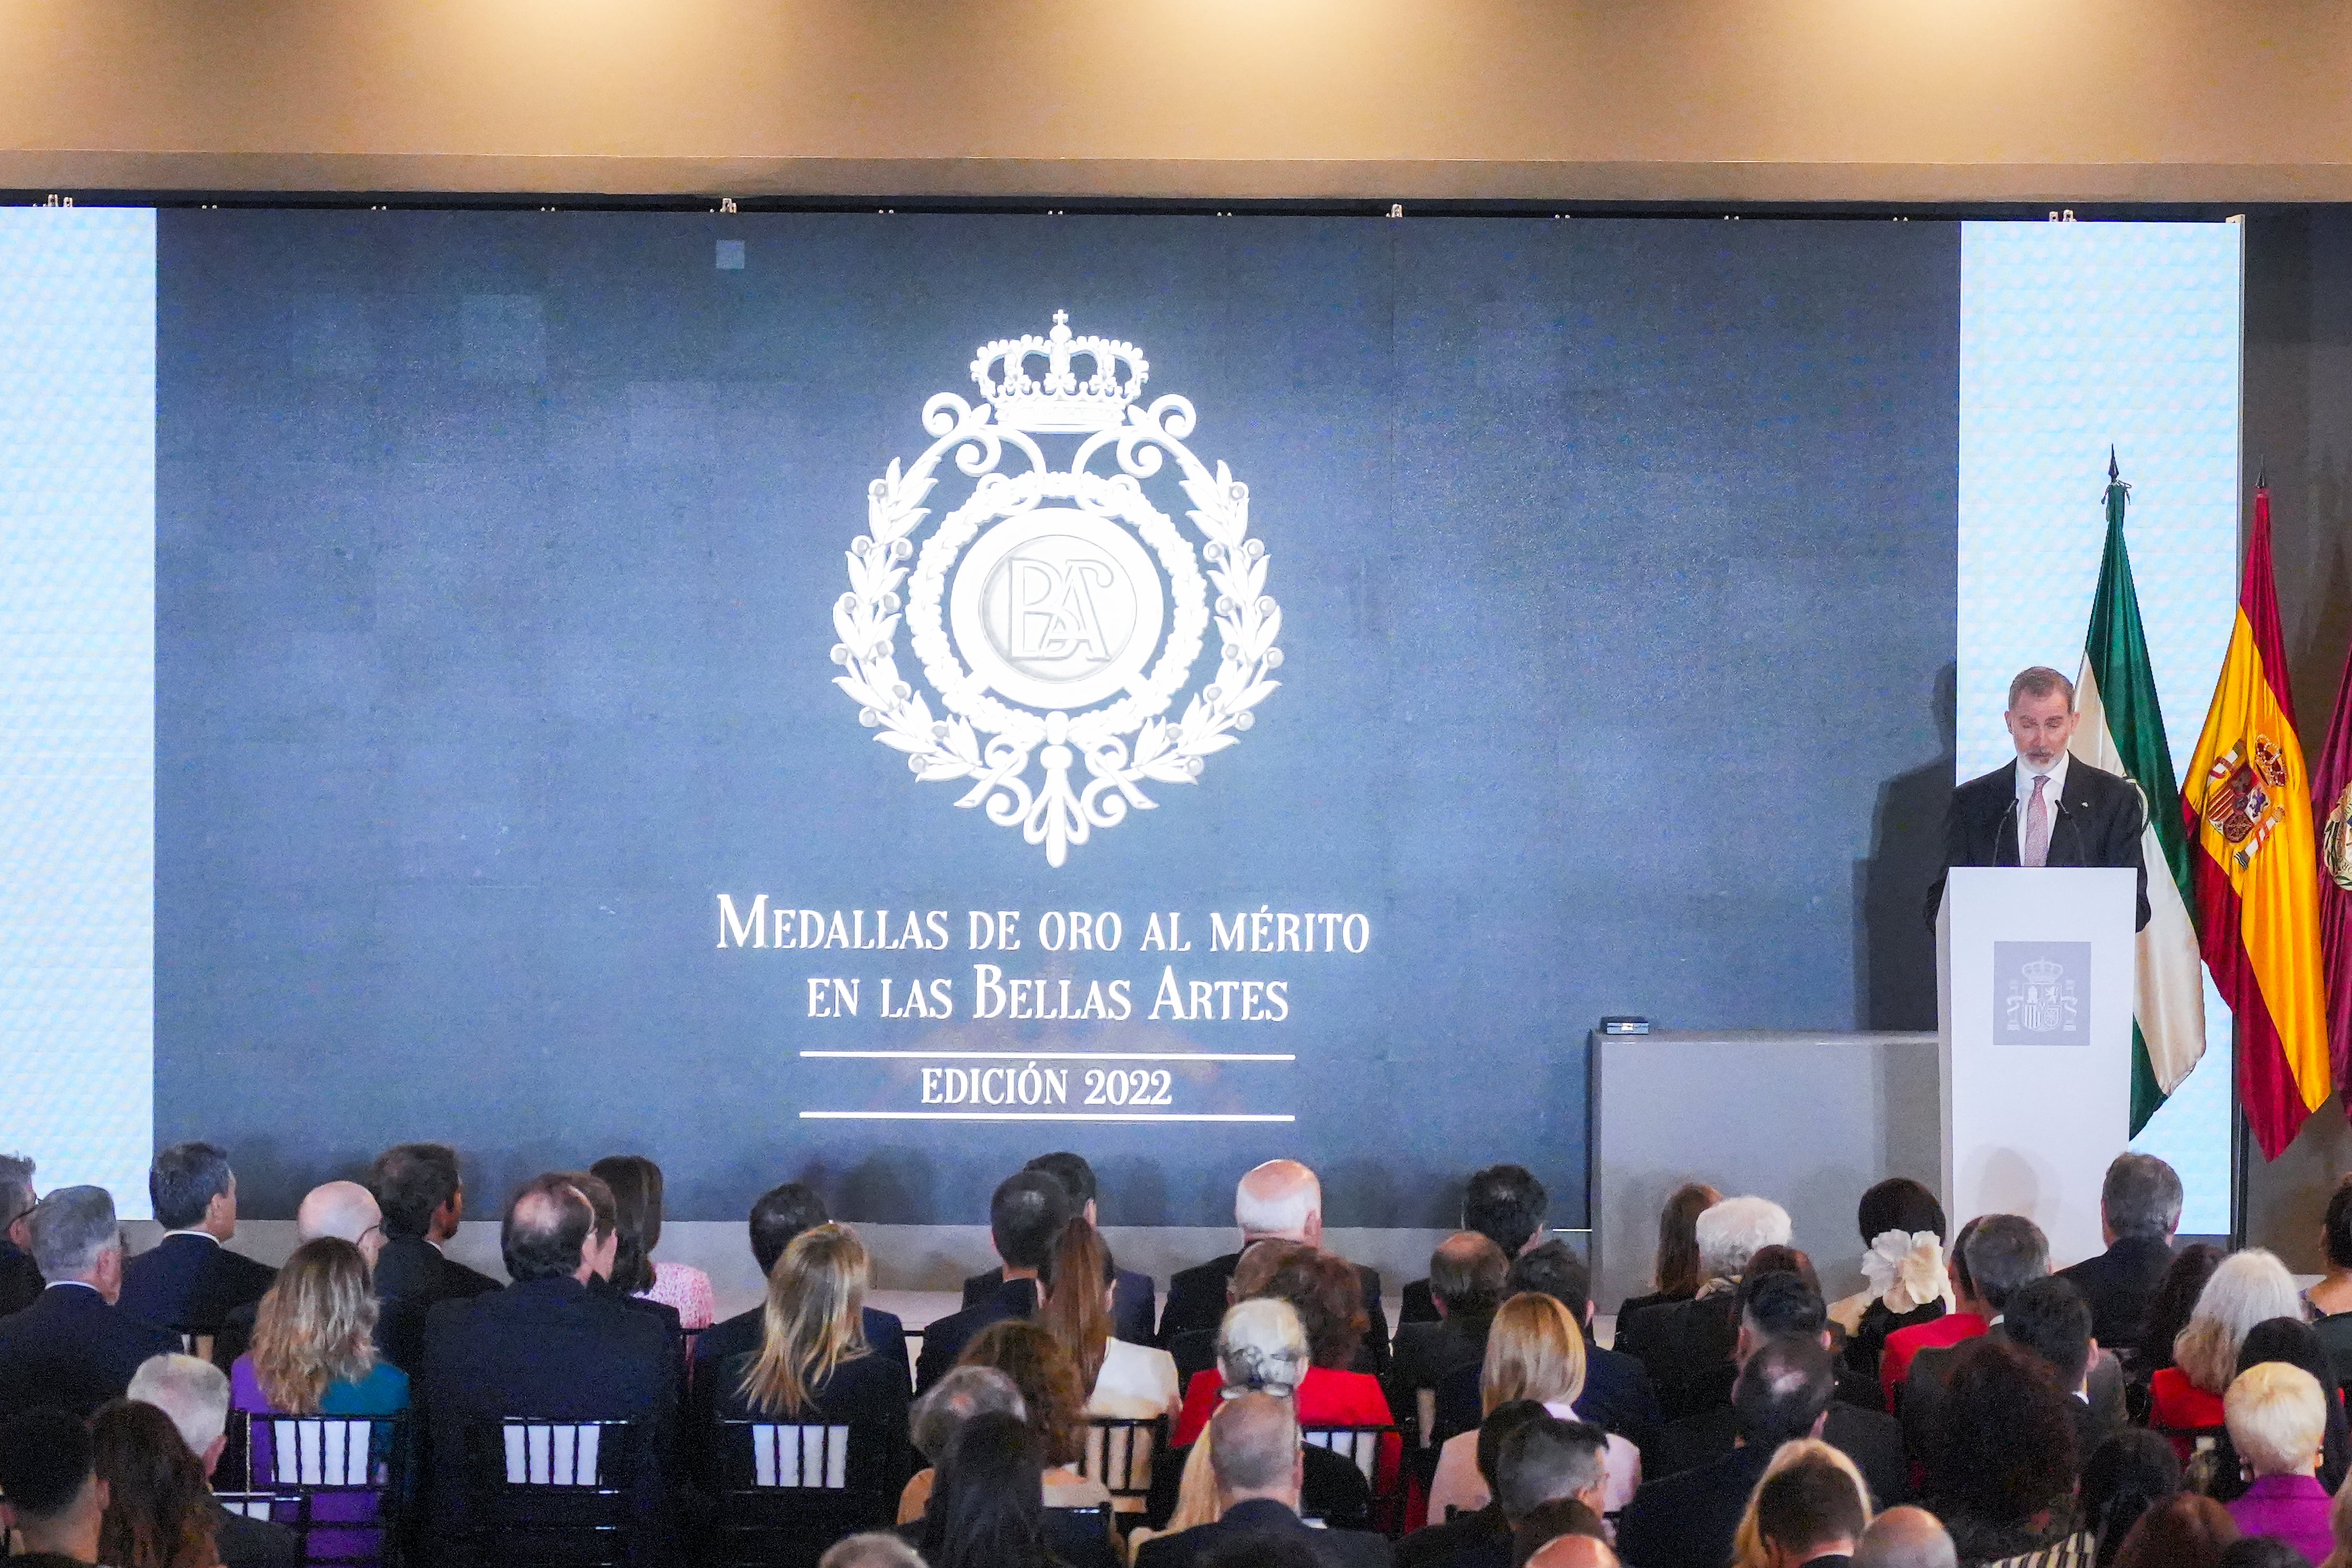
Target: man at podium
(2046, 808)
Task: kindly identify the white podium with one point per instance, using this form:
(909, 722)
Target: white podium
(2033, 986)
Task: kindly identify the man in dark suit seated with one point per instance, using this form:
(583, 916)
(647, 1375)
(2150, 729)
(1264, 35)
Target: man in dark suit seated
(1255, 1455)
(344, 1210)
(54, 1503)
(194, 1394)
(1481, 1539)
(781, 1214)
(1617, 1393)
(189, 1281)
(1466, 1279)
(20, 1276)
(1026, 1216)
(549, 1348)
(1778, 1306)
(1686, 1346)
(1133, 1295)
(1280, 1200)
(1809, 1514)
(2139, 1210)
(423, 1196)
(1687, 1520)
(73, 1347)
(1506, 1204)
(2047, 1316)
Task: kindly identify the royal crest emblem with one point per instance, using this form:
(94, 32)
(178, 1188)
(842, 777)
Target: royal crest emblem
(2336, 840)
(2042, 999)
(1058, 613)
(2244, 798)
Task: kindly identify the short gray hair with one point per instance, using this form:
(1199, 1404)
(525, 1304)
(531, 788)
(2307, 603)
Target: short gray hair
(2040, 680)
(873, 1549)
(965, 1392)
(16, 1186)
(2141, 1197)
(192, 1392)
(71, 1229)
(1736, 1230)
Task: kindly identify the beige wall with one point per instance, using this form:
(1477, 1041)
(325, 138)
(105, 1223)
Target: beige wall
(2234, 100)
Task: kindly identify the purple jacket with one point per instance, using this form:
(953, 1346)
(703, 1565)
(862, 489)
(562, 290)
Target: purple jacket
(2292, 1508)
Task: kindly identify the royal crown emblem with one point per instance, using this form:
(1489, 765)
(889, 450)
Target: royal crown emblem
(2040, 999)
(1058, 613)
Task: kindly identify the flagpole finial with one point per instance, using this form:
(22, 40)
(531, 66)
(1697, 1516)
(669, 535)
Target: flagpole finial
(2262, 472)
(2114, 472)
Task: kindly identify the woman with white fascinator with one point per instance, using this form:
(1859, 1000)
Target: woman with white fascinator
(1908, 1283)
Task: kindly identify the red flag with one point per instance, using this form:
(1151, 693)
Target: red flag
(2331, 807)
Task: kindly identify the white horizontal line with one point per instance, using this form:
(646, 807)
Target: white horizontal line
(1027, 1116)
(1067, 1056)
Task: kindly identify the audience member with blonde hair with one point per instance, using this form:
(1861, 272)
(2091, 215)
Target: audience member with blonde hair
(1535, 1351)
(2277, 1416)
(2249, 1288)
(314, 1341)
(1811, 1502)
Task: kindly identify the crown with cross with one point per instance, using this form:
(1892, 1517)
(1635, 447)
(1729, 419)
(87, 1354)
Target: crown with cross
(1054, 397)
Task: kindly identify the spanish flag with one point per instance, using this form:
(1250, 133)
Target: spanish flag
(2246, 802)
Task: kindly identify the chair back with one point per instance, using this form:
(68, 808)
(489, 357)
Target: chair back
(328, 1479)
(1376, 1452)
(550, 1492)
(789, 1489)
(1118, 1454)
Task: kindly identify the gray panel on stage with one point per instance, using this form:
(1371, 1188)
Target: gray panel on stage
(1807, 1120)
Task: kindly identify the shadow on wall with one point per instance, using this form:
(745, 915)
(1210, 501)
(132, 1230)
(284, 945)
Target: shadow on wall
(1893, 946)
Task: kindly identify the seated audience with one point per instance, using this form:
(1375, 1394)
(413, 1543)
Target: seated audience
(965, 1392)
(1548, 1459)
(1321, 1291)
(2248, 1288)
(20, 1276)
(1280, 1200)
(1674, 1272)
(314, 1341)
(813, 1364)
(637, 1184)
(1054, 1402)
(159, 1509)
(193, 1397)
(1687, 1345)
(2000, 1255)
(1905, 1538)
(603, 1254)
(2330, 1300)
(1689, 1520)
(778, 1215)
(50, 1494)
(1783, 1305)
(2174, 1303)
(1551, 1525)
(74, 1347)
(985, 1510)
(1617, 1393)
(1536, 1352)
(1810, 1506)
(1465, 1286)
(1123, 1379)
(422, 1198)
(344, 1210)
(1134, 1298)
(1906, 1283)
(546, 1346)
(188, 1281)
(873, 1548)
(1026, 1216)
(2125, 1476)
(2048, 1318)
(2291, 1341)
(1194, 1353)
(1505, 1204)
(1480, 1539)
(2139, 1210)
(2277, 1416)
(1255, 1457)
(2184, 1531)
(2001, 1470)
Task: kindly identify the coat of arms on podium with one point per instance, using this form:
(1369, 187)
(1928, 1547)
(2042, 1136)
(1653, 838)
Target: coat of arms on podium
(2040, 989)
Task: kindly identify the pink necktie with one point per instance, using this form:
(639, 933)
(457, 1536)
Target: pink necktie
(2037, 826)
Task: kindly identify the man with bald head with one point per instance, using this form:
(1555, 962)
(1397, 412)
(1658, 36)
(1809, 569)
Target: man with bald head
(546, 1346)
(1280, 1200)
(1905, 1538)
(344, 1210)
(1467, 1275)
(1578, 1551)
(1253, 1453)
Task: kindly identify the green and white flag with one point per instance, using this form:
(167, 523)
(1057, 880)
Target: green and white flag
(2122, 731)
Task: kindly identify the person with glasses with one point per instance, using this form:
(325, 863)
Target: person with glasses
(73, 1347)
(20, 1276)
(343, 1210)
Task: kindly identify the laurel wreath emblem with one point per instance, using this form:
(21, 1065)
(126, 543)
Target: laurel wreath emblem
(993, 742)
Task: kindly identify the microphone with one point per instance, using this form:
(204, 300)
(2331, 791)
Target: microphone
(2009, 821)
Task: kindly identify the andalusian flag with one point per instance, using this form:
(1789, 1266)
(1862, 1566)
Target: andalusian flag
(2122, 731)
(2255, 865)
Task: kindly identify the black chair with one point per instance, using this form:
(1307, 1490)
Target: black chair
(552, 1492)
(1082, 1537)
(1377, 1453)
(787, 1490)
(1119, 1452)
(330, 1480)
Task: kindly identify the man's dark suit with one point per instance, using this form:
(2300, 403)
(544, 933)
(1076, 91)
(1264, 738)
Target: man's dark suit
(1196, 1303)
(552, 1349)
(1687, 1520)
(1338, 1548)
(2097, 822)
(2119, 1284)
(1427, 1353)
(71, 1350)
(721, 1342)
(1617, 1395)
(1419, 1306)
(1923, 1397)
(1480, 1540)
(189, 1283)
(1687, 1348)
(1133, 1298)
(411, 1275)
(243, 1543)
(944, 1340)
(1871, 1439)
(20, 1278)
